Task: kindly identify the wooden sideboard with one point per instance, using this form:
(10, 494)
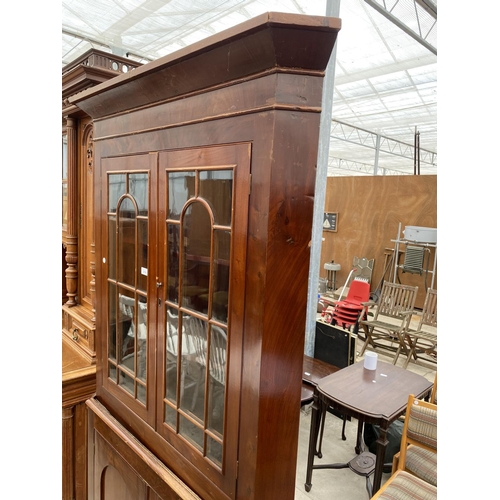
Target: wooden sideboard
(78, 384)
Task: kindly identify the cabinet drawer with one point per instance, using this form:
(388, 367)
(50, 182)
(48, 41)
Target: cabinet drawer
(79, 332)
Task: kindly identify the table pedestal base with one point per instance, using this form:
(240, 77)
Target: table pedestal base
(362, 464)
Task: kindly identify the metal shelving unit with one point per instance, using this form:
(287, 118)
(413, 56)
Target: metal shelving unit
(414, 256)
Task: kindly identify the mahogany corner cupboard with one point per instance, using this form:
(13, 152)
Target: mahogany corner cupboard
(204, 194)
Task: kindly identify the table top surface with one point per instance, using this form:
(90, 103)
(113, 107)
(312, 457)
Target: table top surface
(74, 365)
(314, 370)
(380, 393)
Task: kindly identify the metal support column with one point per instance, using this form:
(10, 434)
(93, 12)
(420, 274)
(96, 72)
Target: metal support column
(332, 10)
(377, 154)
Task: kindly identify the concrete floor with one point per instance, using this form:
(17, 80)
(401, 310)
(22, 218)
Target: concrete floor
(341, 484)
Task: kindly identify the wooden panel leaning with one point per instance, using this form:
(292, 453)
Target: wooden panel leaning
(416, 472)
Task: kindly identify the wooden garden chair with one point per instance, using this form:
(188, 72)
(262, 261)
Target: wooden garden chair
(422, 341)
(392, 316)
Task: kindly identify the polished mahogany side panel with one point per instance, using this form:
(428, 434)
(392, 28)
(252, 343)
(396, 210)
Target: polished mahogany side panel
(281, 211)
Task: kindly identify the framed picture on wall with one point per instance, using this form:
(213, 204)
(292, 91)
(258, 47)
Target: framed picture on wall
(330, 221)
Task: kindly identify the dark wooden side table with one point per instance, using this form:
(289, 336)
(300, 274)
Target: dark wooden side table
(313, 371)
(371, 396)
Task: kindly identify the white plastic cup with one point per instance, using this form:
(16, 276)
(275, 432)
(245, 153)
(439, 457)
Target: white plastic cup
(370, 360)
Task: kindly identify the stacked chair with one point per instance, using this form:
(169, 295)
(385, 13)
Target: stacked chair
(347, 312)
(414, 473)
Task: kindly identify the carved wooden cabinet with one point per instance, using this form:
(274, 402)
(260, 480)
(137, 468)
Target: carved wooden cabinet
(78, 263)
(204, 188)
(78, 239)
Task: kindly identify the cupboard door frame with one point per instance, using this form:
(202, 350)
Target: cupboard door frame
(236, 157)
(129, 164)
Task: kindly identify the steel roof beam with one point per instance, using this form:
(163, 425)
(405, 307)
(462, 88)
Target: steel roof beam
(416, 36)
(361, 137)
(340, 164)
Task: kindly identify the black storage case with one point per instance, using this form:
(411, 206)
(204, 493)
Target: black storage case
(334, 345)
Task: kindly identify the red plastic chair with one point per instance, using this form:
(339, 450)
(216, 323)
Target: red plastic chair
(348, 311)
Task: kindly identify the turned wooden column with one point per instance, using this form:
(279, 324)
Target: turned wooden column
(72, 227)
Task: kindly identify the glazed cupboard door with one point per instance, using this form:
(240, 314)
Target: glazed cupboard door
(203, 212)
(128, 213)
(173, 267)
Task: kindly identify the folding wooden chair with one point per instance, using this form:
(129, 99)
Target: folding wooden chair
(386, 331)
(422, 341)
(415, 476)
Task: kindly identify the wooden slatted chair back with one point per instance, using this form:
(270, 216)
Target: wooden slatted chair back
(396, 300)
(429, 311)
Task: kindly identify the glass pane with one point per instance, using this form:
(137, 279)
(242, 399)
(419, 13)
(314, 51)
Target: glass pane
(126, 242)
(141, 393)
(218, 344)
(126, 382)
(193, 367)
(138, 188)
(173, 231)
(220, 287)
(112, 321)
(142, 338)
(197, 228)
(64, 157)
(64, 177)
(126, 328)
(171, 416)
(191, 432)
(128, 238)
(216, 186)
(64, 180)
(112, 247)
(142, 278)
(112, 372)
(171, 349)
(116, 188)
(181, 187)
(214, 451)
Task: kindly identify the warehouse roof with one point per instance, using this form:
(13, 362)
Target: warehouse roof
(385, 73)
